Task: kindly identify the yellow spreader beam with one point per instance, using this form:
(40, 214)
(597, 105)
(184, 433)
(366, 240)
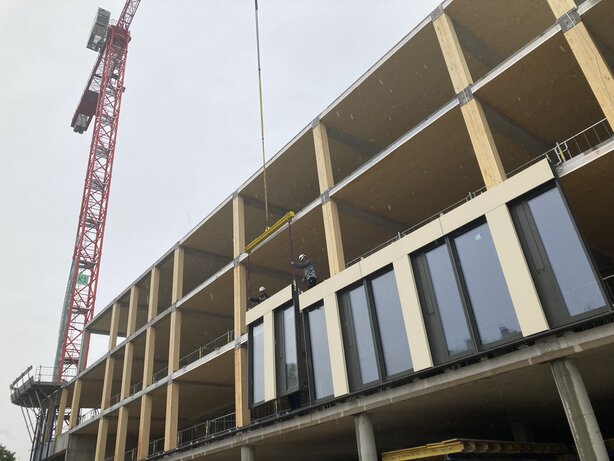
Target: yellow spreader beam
(268, 231)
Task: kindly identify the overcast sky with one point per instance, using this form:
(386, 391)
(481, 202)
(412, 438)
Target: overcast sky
(188, 137)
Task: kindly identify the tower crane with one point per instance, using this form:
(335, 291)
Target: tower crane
(36, 391)
(100, 102)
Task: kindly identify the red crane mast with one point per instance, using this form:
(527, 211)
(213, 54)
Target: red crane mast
(101, 101)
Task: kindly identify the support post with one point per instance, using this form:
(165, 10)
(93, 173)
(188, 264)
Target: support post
(59, 424)
(122, 432)
(365, 437)
(248, 453)
(74, 406)
(330, 213)
(579, 411)
(114, 325)
(109, 368)
(240, 307)
(172, 416)
(596, 70)
(101, 439)
(480, 134)
(144, 427)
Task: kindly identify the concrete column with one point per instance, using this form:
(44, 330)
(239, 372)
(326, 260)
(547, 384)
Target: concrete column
(59, 424)
(596, 70)
(330, 214)
(101, 439)
(579, 411)
(486, 152)
(248, 453)
(365, 438)
(74, 406)
(240, 307)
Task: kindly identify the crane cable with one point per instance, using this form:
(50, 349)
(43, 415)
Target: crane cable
(266, 201)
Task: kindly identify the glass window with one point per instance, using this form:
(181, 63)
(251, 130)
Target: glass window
(258, 363)
(449, 303)
(358, 335)
(569, 262)
(490, 299)
(393, 335)
(320, 358)
(287, 363)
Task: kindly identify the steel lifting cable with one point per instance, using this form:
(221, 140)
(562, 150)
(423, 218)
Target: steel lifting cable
(266, 201)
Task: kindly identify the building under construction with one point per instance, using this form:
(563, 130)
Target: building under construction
(455, 203)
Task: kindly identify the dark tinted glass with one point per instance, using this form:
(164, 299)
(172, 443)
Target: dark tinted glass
(322, 375)
(391, 324)
(258, 363)
(490, 299)
(363, 335)
(449, 302)
(567, 257)
(290, 356)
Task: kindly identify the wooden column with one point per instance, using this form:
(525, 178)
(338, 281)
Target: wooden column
(107, 386)
(594, 67)
(122, 431)
(240, 307)
(330, 214)
(482, 141)
(114, 325)
(59, 424)
(74, 406)
(172, 391)
(150, 345)
(101, 439)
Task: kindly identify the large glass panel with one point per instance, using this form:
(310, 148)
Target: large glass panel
(392, 330)
(567, 257)
(290, 360)
(490, 299)
(258, 363)
(363, 336)
(320, 358)
(449, 302)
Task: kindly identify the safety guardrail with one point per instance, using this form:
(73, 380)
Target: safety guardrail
(208, 348)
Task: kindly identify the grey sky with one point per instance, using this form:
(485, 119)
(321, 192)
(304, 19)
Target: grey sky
(188, 137)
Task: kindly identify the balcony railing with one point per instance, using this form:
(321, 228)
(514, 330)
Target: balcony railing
(206, 429)
(156, 447)
(158, 375)
(89, 415)
(208, 348)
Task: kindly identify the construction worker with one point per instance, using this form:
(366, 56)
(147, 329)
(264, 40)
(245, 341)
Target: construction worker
(262, 295)
(310, 273)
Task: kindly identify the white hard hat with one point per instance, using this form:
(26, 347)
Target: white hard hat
(301, 257)
(262, 289)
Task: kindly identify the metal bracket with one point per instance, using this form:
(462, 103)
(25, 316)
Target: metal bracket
(569, 20)
(436, 13)
(465, 96)
(315, 122)
(325, 197)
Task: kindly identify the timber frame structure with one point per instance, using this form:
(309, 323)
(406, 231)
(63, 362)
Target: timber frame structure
(479, 146)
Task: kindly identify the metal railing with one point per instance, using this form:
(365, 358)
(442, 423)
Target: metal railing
(401, 234)
(158, 375)
(208, 348)
(136, 387)
(89, 415)
(114, 399)
(206, 429)
(155, 447)
(131, 455)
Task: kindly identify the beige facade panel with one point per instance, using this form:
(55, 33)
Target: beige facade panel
(335, 344)
(516, 272)
(412, 314)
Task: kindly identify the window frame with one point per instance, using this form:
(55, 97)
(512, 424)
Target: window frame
(250, 364)
(347, 329)
(309, 355)
(430, 308)
(544, 279)
(280, 350)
